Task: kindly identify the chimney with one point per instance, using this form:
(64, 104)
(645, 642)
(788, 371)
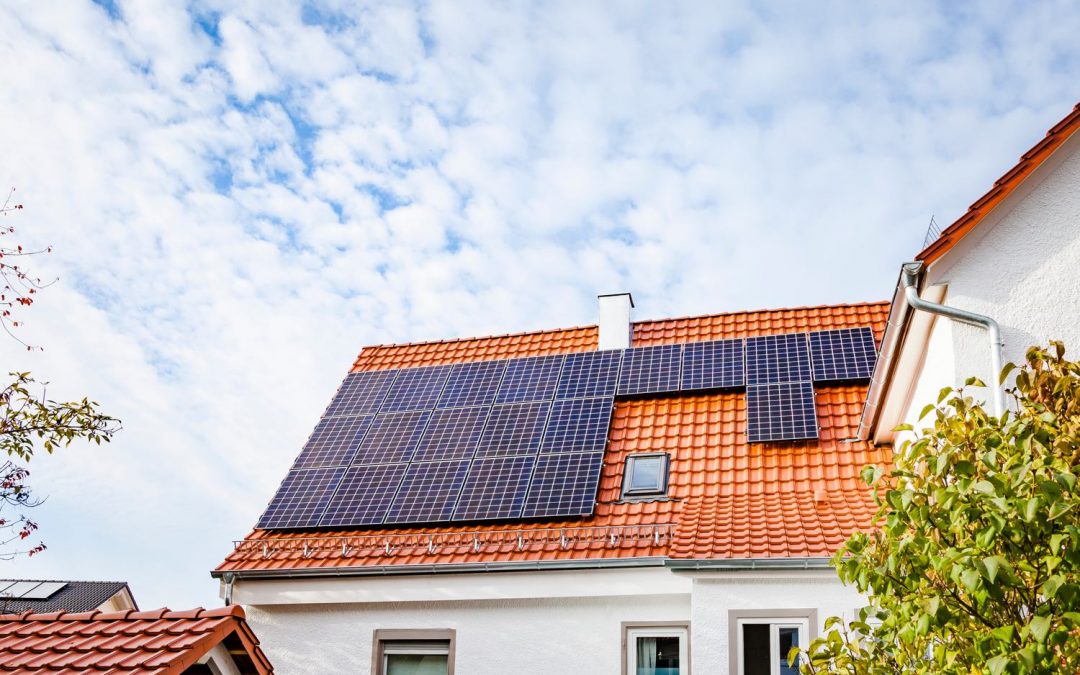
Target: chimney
(615, 320)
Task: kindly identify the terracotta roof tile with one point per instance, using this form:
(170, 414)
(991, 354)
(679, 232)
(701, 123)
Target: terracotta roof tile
(160, 642)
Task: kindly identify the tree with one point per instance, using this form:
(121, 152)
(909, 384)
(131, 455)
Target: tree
(974, 563)
(29, 420)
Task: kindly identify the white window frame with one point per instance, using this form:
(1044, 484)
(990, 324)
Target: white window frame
(387, 642)
(805, 620)
(628, 475)
(632, 631)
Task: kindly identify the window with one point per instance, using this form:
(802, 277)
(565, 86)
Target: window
(413, 652)
(761, 640)
(656, 649)
(646, 475)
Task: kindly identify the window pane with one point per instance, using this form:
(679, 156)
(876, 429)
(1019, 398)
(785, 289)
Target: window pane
(789, 637)
(756, 650)
(658, 656)
(416, 664)
(645, 473)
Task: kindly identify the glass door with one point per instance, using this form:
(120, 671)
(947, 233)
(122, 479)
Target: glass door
(764, 645)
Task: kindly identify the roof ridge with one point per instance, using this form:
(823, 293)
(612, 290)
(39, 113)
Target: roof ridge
(66, 581)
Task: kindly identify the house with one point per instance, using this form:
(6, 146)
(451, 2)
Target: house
(1012, 259)
(196, 642)
(20, 595)
(652, 535)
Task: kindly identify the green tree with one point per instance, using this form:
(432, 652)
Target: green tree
(974, 563)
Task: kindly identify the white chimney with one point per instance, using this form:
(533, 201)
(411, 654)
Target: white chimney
(615, 320)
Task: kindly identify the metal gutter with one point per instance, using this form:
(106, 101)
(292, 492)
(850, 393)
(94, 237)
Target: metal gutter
(750, 564)
(453, 568)
(893, 338)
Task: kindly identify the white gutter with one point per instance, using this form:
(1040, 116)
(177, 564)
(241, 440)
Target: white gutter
(909, 279)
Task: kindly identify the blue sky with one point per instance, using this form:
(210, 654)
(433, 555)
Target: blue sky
(242, 194)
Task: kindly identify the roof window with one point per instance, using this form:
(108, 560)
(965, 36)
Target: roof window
(646, 475)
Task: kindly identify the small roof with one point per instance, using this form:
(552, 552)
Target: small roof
(161, 642)
(51, 595)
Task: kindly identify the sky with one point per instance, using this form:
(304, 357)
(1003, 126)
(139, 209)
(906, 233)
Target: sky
(241, 195)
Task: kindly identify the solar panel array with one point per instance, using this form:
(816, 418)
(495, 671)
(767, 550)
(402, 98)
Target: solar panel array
(524, 438)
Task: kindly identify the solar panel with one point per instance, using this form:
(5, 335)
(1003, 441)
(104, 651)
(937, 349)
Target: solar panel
(717, 364)
(844, 354)
(587, 374)
(391, 438)
(416, 389)
(301, 499)
(429, 492)
(514, 429)
(472, 384)
(452, 434)
(650, 370)
(530, 379)
(780, 412)
(777, 358)
(564, 485)
(495, 488)
(364, 495)
(578, 425)
(361, 393)
(334, 442)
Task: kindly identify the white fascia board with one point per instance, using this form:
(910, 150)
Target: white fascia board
(639, 581)
(220, 661)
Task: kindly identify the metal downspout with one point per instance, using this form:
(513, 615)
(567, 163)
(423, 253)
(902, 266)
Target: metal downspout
(910, 279)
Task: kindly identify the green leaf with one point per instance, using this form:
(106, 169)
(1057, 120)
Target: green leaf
(1058, 509)
(1040, 627)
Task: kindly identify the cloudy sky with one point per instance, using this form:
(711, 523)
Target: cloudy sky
(242, 194)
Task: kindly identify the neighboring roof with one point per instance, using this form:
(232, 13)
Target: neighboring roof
(727, 498)
(1003, 187)
(159, 642)
(75, 596)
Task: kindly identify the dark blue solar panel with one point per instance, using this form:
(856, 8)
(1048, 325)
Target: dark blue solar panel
(391, 438)
(531, 379)
(650, 370)
(564, 485)
(514, 429)
(452, 434)
(334, 442)
(780, 412)
(586, 374)
(364, 495)
(472, 384)
(844, 354)
(777, 358)
(495, 488)
(713, 365)
(578, 425)
(301, 498)
(429, 492)
(361, 393)
(416, 389)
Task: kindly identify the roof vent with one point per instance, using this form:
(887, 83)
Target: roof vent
(615, 324)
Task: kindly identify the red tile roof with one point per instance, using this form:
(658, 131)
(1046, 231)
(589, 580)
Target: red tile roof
(159, 642)
(1003, 187)
(727, 498)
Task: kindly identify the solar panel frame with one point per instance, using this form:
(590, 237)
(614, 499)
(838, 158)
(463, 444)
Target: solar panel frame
(495, 488)
(472, 384)
(363, 496)
(428, 493)
(333, 442)
(392, 438)
(361, 393)
(777, 358)
(843, 354)
(578, 425)
(781, 411)
(530, 379)
(301, 498)
(650, 370)
(564, 485)
(514, 429)
(716, 364)
(589, 374)
(416, 389)
(452, 433)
